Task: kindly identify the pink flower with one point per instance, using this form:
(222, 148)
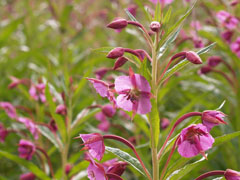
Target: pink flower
(227, 35)
(37, 92)
(26, 149)
(163, 2)
(29, 125)
(214, 61)
(61, 109)
(232, 175)
(193, 140)
(134, 93)
(3, 133)
(212, 118)
(9, 109)
(95, 145)
(104, 123)
(28, 176)
(52, 125)
(235, 46)
(227, 20)
(196, 25)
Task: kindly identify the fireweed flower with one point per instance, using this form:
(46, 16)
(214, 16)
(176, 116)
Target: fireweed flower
(193, 140)
(9, 109)
(26, 149)
(134, 93)
(95, 145)
(212, 118)
(37, 92)
(29, 125)
(227, 20)
(3, 133)
(232, 175)
(28, 176)
(235, 47)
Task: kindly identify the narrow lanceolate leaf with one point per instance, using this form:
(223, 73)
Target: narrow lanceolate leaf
(157, 15)
(130, 16)
(58, 119)
(180, 173)
(225, 138)
(167, 15)
(103, 50)
(127, 157)
(27, 164)
(49, 135)
(183, 63)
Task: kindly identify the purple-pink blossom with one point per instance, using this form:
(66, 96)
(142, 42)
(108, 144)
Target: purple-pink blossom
(26, 149)
(232, 175)
(95, 145)
(104, 124)
(28, 176)
(227, 20)
(235, 47)
(9, 109)
(163, 2)
(134, 93)
(212, 118)
(193, 140)
(29, 125)
(3, 133)
(61, 109)
(37, 92)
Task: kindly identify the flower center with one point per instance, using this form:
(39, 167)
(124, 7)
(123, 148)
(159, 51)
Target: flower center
(133, 95)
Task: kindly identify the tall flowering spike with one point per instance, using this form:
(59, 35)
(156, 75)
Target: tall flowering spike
(212, 118)
(134, 93)
(9, 109)
(116, 53)
(3, 133)
(214, 61)
(235, 47)
(232, 175)
(227, 20)
(94, 143)
(37, 92)
(27, 176)
(26, 149)
(193, 140)
(119, 23)
(193, 57)
(29, 125)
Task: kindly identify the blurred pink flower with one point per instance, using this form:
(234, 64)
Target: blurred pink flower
(232, 175)
(95, 145)
(61, 109)
(104, 124)
(26, 149)
(212, 118)
(193, 140)
(109, 110)
(134, 93)
(28, 176)
(196, 25)
(163, 2)
(3, 133)
(30, 125)
(164, 123)
(227, 35)
(9, 109)
(235, 46)
(213, 61)
(227, 20)
(132, 8)
(37, 92)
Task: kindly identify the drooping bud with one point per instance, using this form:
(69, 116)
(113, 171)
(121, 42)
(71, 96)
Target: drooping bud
(205, 70)
(214, 61)
(193, 57)
(155, 26)
(108, 110)
(26, 149)
(101, 72)
(118, 24)
(27, 176)
(232, 175)
(116, 53)
(212, 118)
(120, 62)
(61, 109)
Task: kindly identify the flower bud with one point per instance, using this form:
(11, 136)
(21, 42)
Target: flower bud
(118, 24)
(120, 62)
(164, 123)
(108, 110)
(155, 26)
(232, 175)
(27, 176)
(227, 35)
(100, 73)
(116, 53)
(212, 118)
(117, 168)
(68, 168)
(193, 57)
(26, 149)
(214, 61)
(61, 109)
(205, 70)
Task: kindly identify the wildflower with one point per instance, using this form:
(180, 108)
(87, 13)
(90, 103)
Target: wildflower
(134, 93)
(163, 2)
(61, 109)
(227, 20)
(193, 140)
(212, 118)
(232, 175)
(235, 46)
(9, 109)
(119, 23)
(155, 26)
(227, 35)
(95, 145)
(104, 123)
(37, 92)
(3, 133)
(15, 82)
(214, 61)
(193, 57)
(205, 70)
(29, 125)
(28, 176)
(101, 72)
(26, 149)
(108, 110)
(116, 53)
(52, 125)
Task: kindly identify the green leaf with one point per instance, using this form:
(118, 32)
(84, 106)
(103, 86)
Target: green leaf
(157, 15)
(104, 50)
(225, 138)
(131, 16)
(58, 119)
(126, 157)
(167, 15)
(49, 135)
(27, 164)
(78, 167)
(183, 63)
(144, 71)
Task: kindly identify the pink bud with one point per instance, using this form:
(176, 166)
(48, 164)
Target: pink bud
(164, 123)
(155, 26)
(27, 176)
(108, 110)
(118, 24)
(214, 61)
(205, 70)
(68, 168)
(232, 175)
(61, 109)
(120, 62)
(193, 57)
(116, 53)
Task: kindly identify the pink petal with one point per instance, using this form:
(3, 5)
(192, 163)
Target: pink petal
(144, 105)
(123, 83)
(123, 103)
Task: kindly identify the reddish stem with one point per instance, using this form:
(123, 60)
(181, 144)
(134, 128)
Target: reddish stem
(185, 116)
(211, 173)
(129, 144)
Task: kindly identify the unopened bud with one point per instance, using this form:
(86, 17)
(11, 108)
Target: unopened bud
(155, 26)
(118, 24)
(116, 53)
(120, 62)
(61, 109)
(205, 70)
(193, 57)
(232, 175)
(27, 176)
(68, 168)
(214, 61)
(108, 110)
(164, 123)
